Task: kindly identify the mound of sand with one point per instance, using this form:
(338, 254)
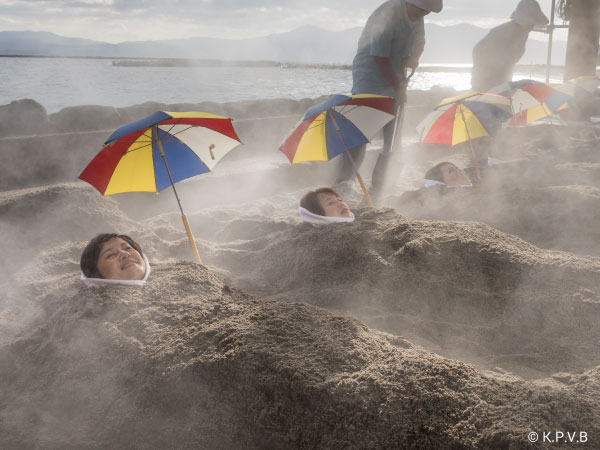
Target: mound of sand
(38, 219)
(25, 116)
(551, 200)
(188, 362)
(462, 289)
(552, 217)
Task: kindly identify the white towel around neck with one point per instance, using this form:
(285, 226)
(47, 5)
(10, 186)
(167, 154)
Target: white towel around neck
(316, 219)
(97, 282)
(494, 161)
(431, 183)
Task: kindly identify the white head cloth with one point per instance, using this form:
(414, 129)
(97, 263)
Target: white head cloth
(528, 12)
(494, 161)
(97, 282)
(431, 183)
(428, 5)
(316, 219)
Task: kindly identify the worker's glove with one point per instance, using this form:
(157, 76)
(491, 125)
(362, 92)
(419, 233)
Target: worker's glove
(411, 62)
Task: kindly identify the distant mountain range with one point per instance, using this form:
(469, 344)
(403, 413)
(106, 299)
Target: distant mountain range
(309, 44)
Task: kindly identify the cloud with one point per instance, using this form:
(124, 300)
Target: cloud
(124, 20)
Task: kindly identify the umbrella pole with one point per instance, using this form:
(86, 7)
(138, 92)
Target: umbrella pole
(358, 177)
(520, 132)
(549, 115)
(186, 224)
(470, 143)
(364, 188)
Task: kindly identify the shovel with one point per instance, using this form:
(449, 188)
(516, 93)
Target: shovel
(381, 166)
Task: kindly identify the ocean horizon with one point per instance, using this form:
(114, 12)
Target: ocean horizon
(60, 82)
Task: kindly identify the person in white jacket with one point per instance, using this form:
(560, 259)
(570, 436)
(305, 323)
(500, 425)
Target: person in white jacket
(495, 56)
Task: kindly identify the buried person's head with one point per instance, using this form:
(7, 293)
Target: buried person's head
(324, 205)
(325, 202)
(448, 174)
(113, 256)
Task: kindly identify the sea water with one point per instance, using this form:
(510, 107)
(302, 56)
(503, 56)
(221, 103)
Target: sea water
(60, 82)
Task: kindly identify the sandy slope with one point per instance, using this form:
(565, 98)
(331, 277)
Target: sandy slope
(449, 321)
(189, 362)
(461, 288)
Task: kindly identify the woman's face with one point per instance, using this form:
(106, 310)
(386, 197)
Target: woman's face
(333, 206)
(120, 261)
(453, 176)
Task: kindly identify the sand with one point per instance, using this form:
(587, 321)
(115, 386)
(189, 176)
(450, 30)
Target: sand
(461, 319)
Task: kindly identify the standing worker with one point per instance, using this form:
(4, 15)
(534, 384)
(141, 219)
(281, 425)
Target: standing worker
(495, 56)
(392, 41)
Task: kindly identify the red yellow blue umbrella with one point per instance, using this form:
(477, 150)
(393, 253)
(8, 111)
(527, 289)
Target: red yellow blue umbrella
(577, 90)
(333, 127)
(157, 151)
(531, 100)
(463, 118)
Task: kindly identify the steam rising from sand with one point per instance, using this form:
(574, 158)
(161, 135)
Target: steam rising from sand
(181, 351)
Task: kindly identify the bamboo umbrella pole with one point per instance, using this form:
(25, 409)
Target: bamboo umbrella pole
(186, 224)
(358, 177)
(460, 106)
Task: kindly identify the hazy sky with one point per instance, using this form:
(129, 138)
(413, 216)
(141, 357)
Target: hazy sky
(130, 20)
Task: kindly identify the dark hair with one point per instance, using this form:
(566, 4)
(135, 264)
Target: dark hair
(91, 253)
(311, 202)
(435, 173)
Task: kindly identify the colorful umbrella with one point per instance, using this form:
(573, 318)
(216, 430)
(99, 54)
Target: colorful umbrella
(157, 151)
(330, 128)
(463, 118)
(531, 100)
(577, 90)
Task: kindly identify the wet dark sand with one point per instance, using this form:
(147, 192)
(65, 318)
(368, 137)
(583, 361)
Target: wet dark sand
(448, 319)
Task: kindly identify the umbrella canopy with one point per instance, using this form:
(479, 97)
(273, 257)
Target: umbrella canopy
(464, 117)
(586, 83)
(152, 153)
(130, 161)
(577, 90)
(531, 100)
(340, 123)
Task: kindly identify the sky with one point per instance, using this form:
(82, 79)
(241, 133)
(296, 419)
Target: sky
(117, 21)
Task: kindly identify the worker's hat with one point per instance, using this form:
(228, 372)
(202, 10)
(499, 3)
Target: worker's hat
(528, 12)
(428, 5)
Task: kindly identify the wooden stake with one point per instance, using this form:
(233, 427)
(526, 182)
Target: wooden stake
(190, 236)
(475, 162)
(364, 188)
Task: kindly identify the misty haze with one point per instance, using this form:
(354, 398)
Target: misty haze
(454, 313)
